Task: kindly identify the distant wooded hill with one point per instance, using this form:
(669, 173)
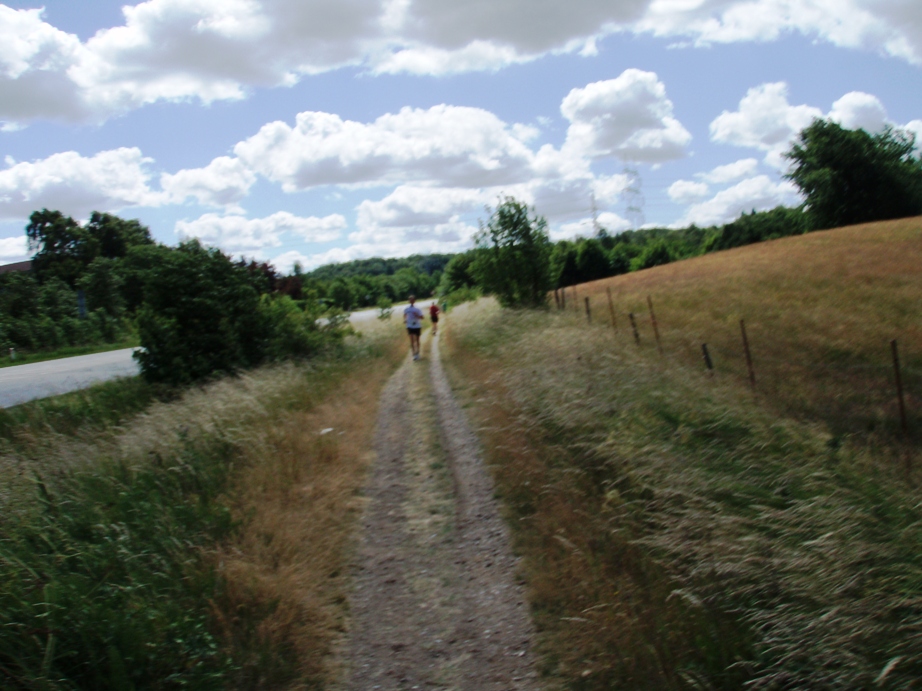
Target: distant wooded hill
(423, 263)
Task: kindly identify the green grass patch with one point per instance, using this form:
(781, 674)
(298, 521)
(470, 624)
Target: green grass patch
(104, 586)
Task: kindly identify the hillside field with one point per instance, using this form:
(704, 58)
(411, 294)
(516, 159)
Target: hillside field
(820, 312)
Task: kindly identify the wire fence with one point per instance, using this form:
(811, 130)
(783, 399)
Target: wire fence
(883, 395)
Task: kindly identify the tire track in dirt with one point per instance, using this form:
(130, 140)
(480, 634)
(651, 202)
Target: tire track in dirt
(436, 603)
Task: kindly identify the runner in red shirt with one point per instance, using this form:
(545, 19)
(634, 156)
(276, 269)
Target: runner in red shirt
(434, 316)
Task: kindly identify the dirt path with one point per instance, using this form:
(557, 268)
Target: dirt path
(436, 604)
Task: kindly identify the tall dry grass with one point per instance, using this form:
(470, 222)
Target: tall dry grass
(274, 460)
(820, 311)
(675, 532)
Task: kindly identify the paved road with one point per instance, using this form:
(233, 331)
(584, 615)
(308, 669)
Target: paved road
(40, 379)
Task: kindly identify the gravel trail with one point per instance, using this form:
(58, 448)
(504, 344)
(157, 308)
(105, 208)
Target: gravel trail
(436, 603)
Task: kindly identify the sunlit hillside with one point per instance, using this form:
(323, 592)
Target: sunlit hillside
(820, 311)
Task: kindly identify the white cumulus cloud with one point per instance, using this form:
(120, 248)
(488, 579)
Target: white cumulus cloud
(34, 59)
(13, 249)
(207, 50)
(915, 126)
(240, 235)
(76, 185)
(629, 117)
(410, 205)
(759, 193)
(768, 122)
(858, 110)
(687, 191)
(743, 168)
(223, 182)
(449, 145)
(765, 121)
(893, 27)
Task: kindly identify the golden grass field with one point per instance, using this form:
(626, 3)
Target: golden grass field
(820, 311)
(678, 532)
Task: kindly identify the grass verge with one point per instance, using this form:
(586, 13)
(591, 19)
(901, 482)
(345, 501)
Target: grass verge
(197, 544)
(675, 534)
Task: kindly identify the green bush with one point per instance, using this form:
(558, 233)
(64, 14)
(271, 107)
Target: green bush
(293, 332)
(200, 316)
(656, 253)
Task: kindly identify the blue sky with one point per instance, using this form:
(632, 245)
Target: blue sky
(328, 130)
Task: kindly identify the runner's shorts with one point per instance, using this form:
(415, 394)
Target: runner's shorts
(414, 332)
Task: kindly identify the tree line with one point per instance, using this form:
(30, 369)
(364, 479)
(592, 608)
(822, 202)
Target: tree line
(846, 177)
(195, 311)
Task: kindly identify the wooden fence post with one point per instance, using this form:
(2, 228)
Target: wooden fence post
(752, 372)
(611, 309)
(588, 312)
(899, 386)
(707, 358)
(659, 345)
(634, 326)
(557, 297)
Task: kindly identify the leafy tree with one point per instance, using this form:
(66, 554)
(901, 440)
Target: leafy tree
(201, 315)
(850, 176)
(619, 259)
(591, 261)
(102, 286)
(756, 227)
(654, 254)
(411, 282)
(457, 274)
(18, 295)
(341, 293)
(513, 258)
(62, 248)
(377, 266)
(56, 300)
(563, 261)
(136, 268)
(262, 275)
(112, 236)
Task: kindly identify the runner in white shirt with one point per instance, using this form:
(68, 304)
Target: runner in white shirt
(413, 318)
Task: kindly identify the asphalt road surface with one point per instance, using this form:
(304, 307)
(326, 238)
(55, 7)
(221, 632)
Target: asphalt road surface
(40, 379)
